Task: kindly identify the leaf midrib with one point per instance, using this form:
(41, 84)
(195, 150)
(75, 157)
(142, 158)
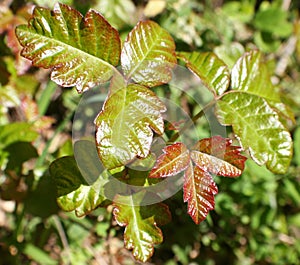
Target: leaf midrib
(70, 47)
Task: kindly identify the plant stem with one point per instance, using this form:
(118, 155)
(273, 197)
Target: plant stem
(63, 237)
(192, 121)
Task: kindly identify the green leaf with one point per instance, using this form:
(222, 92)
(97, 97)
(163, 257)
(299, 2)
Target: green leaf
(175, 158)
(258, 128)
(255, 111)
(148, 54)
(250, 74)
(119, 13)
(80, 51)
(141, 222)
(198, 190)
(38, 254)
(15, 132)
(273, 20)
(212, 71)
(125, 122)
(73, 193)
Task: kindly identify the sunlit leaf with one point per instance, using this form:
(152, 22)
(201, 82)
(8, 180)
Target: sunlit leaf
(255, 112)
(258, 128)
(80, 51)
(216, 155)
(72, 191)
(250, 74)
(125, 122)
(174, 160)
(148, 54)
(141, 222)
(198, 191)
(212, 71)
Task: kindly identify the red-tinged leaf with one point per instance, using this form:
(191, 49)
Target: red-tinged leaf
(175, 158)
(216, 155)
(198, 191)
(141, 222)
(31, 113)
(80, 50)
(148, 54)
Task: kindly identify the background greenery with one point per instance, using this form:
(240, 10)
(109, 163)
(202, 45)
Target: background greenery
(257, 217)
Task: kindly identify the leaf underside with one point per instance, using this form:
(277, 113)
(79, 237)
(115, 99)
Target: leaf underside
(148, 54)
(80, 50)
(125, 124)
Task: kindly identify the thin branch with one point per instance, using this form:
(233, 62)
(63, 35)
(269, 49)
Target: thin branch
(63, 237)
(191, 122)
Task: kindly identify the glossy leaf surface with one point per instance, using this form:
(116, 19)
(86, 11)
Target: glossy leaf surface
(212, 71)
(256, 113)
(72, 191)
(141, 222)
(175, 158)
(148, 54)
(80, 51)
(217, 156)
(125, 124)
(259, 129)
(250, 74)
(198, 191)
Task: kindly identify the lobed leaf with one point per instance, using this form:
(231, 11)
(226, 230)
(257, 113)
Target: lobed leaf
(175, 158)
(198, 191)
(216, 155)
(255, 111)
(258, 128)
(72, 191)
(141, 222)
(123, 127)
(212, 71)
(80, 50)
(148, 54)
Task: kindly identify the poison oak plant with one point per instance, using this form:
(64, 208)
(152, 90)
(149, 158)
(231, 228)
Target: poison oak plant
(84, 52)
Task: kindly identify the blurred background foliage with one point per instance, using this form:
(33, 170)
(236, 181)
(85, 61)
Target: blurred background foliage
(257, 216)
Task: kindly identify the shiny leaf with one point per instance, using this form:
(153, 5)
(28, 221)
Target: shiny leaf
(72, 191)
(216, 155)
(175, 158)
(125, 122)
(212, 71)
(258, 128)
(80, 50)
(141, 222)
(198, 191)
(148, 54)
(250, 74)
(255, 111)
